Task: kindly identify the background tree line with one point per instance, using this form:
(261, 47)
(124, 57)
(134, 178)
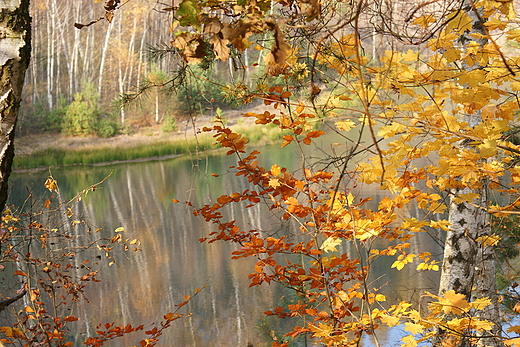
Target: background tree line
(76, 76)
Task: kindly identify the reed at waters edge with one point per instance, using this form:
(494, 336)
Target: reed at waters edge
(58, 157)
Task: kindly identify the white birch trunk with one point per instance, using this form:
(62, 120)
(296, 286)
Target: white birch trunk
(51, 25)
(104, 58)
(466, 265)
(15, 51)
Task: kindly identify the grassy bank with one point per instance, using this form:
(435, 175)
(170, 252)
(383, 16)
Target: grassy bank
(154, 148)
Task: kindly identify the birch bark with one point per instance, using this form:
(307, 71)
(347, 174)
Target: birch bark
(468, 268)
(15, 52)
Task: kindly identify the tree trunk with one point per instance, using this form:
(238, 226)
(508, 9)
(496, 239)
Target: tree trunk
(469, 267)
(15, 52)
(104, 58)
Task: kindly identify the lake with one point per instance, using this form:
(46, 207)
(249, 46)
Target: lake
(143, 286)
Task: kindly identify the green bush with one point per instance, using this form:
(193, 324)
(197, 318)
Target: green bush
(169, 124)
(53, 119)
(82, 115)
(106, 128)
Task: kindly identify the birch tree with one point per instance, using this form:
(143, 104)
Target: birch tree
(15, 50)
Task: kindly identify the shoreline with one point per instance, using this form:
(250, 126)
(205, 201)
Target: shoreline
(127, 149)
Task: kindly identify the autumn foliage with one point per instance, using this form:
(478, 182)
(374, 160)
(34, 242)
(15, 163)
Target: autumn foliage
(430, 124)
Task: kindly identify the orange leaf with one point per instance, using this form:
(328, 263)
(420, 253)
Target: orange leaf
(315, 133)
(70, 319)
(20, 273)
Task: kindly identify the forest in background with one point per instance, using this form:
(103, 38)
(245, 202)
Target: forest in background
(76, 76)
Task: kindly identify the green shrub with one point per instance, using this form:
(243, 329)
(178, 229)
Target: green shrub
(82, 114)
(106, 128)
(169, 124)
(53, 119)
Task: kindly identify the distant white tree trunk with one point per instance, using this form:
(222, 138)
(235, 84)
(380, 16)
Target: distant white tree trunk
(51, 54)
(156, 105)
(104, 58)
(15, 52)
(141, 51)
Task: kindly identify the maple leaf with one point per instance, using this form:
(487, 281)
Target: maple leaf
(413, 328)
(513, 342)
(454, 302)
(322, 330)
(345, 125)
(274, 182)
(424, 21)
(329, 245)
(489, 240)
(390, 320)
(459, 22)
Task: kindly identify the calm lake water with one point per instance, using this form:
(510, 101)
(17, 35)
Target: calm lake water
(141, 287)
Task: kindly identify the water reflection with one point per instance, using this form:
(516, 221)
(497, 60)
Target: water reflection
(143, 286)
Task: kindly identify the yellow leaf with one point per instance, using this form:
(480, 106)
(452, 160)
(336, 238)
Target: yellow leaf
(495, 23)
(390, 320)
(459, 22)
(402, 260)
(273, 182)
(329, 245)
(488, 148)
(275, 170)
(481, 303)
(489, 240)
(514, 329)
(391, 130)
(322, 330)
(409, 341)
(441, 224)
(350, 199)
(454, 302)
(513, 342)
(12, 332)
(51, 184)
(424, 21)
(345, 125)
(413, 328)
(380, 297)
(514, 35)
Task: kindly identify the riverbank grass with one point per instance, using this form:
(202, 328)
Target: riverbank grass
(153, 149)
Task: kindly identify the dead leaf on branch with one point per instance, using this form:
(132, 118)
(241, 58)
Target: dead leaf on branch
(110, 7)
(191, 46)
(275, 60)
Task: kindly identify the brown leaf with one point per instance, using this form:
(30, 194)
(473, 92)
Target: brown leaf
(212, 26)
(191, 46)
(220, 47)
(109, 15)
(281, 49)
(111, 5)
